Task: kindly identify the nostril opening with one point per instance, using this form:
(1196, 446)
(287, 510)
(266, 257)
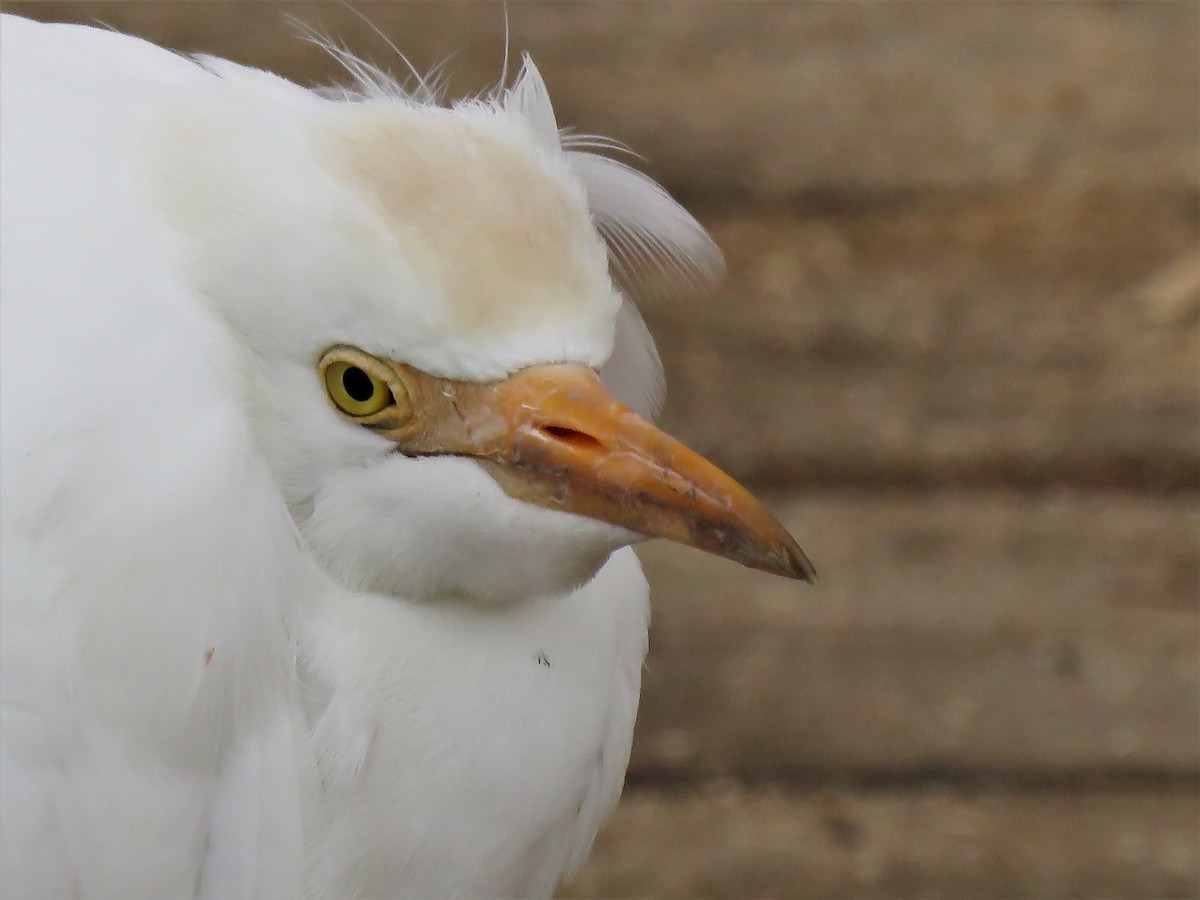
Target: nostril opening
(564, 435)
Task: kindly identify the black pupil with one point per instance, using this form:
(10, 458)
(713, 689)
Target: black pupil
(358, 384)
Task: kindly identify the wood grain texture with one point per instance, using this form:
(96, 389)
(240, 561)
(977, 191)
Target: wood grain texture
(931, 843)
(1007, 339)
(961, 634)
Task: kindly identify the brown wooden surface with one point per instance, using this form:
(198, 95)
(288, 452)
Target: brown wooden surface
(959, 348)
(954, 635)
(935, 843)
(1000, 339)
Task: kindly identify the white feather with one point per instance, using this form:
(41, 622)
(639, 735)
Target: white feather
(634, 372)
(656, 248)
(648, 233)
(241, 653)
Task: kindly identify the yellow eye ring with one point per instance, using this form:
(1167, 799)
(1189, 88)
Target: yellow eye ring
(354, 390)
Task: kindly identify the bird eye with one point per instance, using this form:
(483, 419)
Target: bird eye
(354, 390)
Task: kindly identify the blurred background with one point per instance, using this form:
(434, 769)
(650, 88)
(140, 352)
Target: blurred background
(959, 352)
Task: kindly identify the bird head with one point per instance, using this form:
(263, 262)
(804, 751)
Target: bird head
(442, 374)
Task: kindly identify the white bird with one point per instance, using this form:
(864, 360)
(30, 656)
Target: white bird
(315, 513)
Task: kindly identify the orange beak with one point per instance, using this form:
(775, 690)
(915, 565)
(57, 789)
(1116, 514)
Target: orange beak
(554, 436)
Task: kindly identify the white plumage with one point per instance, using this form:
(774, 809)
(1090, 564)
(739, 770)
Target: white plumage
(249, 649)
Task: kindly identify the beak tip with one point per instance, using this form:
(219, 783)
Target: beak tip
(797, 565)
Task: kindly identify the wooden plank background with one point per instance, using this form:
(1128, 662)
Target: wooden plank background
(959, 350)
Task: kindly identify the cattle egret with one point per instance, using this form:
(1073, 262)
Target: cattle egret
(316, 506)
